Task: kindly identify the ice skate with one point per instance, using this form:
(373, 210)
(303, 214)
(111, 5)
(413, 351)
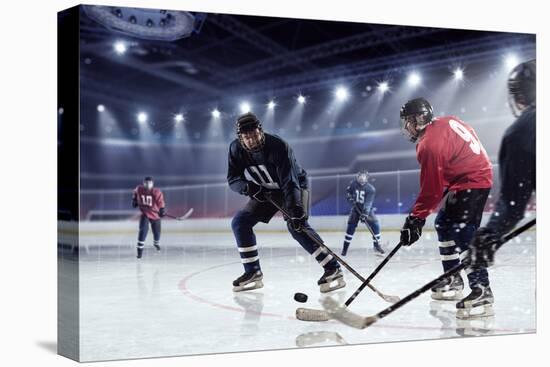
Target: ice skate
(139, 252)
(248, 281)
(378, 251)
(332, 279)
(156, 245)
(450, 289)
(478, 304)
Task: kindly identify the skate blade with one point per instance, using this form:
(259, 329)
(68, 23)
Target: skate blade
(329, 287)
(445, 296)
(248, 287)
(475, 313)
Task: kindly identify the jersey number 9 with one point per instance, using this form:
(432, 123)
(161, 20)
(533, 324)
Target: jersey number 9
(458, 128)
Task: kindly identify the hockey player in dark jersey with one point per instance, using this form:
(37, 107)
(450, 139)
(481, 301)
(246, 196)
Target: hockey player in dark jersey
(454, 170)
(517, 165)
(150, 201)
(360, 194)
(262, 165)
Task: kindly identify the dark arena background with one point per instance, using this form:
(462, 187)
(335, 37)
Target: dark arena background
(165, 105)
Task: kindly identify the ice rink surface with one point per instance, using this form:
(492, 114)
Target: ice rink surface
(180, 301)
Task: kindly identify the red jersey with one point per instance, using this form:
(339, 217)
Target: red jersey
(451, 157)
(149, 201)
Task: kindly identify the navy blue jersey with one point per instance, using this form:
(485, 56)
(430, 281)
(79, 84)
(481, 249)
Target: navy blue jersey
(517, 169)
(273, 167)
(361, 195)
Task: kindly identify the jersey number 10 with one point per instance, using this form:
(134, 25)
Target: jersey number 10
(147, 200)
(458, 128)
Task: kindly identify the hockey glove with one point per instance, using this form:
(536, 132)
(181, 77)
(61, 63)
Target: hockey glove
(255, 191)
(297, 219)
(162, 212)
(482, 248)
(134, 203)
(412, 230)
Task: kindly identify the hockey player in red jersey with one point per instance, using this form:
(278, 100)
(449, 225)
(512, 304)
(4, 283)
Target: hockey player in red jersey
(150, 201)
(456, 172)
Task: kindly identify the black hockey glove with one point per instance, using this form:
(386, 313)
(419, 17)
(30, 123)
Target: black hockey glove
(134, 203)
(412, 230)
(162, 212)
(297, 218)
(482, 248)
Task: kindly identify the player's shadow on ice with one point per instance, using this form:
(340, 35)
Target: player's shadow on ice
(50, 346)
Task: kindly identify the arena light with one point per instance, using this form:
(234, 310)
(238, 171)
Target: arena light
(383, 87)
(414, 79)
(301, 99)
(120, 47)
(271, 105)
(341, 93)
(459, 74)
(142, 117)
(178, 118)
(245, 107)
(216, 113)
(100, 108)
(511, 61)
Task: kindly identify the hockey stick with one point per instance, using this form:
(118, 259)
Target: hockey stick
(343, 315)
(309, 314)
(183, 217)
(356, 208)
(320, 243)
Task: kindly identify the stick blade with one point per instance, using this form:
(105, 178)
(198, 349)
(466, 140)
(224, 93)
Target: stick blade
(342, 314)
(310, 314)
(186, 215)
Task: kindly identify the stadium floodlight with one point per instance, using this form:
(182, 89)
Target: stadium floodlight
(178, 118)
(414, 79)
(216, 113)
(301, 99)
(271, 105)
(120, 47)
(142, 117)
(245, 107)
(383, 87)
(341, 93)
(511, 61)
(459, 74)
(100, 108)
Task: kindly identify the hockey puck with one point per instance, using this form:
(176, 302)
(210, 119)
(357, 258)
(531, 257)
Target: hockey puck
(300, 297)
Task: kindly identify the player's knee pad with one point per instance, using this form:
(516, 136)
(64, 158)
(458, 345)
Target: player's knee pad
(444, 229)
(242, 221)
(374, 225)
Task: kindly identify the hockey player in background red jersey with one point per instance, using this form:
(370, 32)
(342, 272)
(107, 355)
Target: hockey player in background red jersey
(150, 201)
(456, 172)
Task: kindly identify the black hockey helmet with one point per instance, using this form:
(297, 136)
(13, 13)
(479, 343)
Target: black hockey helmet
(249, 122)
(522, 86)
(415, 115)
(362, 177)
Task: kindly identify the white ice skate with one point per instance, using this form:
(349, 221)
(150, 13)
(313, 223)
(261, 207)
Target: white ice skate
(450, 289)
(248, 281)
(478, 304)
(331, 280)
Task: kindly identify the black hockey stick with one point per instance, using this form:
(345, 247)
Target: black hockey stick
(319, 242)
(356, 208)
(183, 217)
(340, 313)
